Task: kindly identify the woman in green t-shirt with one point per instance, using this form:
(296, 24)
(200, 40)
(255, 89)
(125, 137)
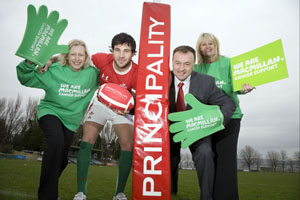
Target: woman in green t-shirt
(69, 86)
(224, 142)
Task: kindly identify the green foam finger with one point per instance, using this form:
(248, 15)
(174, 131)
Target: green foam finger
(174, 116)
(53, 17)
(41, 35)
(62, 24)
(176, 127)
(31, 12)
(43, 12)
(191, 100)
(180, 136)
(186, 143)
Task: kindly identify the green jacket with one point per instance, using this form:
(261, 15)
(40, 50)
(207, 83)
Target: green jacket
(221, 71)
(67, 93)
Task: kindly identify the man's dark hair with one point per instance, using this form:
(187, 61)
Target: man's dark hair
(123, 38)
(185, 49)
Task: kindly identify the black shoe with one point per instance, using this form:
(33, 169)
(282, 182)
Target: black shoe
(173, 193)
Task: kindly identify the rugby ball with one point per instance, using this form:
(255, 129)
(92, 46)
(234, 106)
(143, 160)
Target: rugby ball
(115, 97)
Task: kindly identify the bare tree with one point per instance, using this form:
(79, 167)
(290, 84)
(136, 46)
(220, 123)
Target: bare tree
(190, 161)
(273, 158)
(257, 159)
(2, 107)
(14, 115)
(291, 163)
(11, 116)
(30, 113)
(3, 129)
(108, 133)
(109, 140)
(297, 156)
(248, 156)
(283, 158)
(2, 119)
(185, 160)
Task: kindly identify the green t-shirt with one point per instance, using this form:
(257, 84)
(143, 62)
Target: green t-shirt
(221, 71)
(67, 93)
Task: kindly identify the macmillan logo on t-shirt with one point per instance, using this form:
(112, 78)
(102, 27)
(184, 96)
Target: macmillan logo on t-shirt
(72, 90)
(220, 84)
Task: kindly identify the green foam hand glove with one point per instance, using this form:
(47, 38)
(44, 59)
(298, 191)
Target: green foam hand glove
(41, 35)
(191, 125)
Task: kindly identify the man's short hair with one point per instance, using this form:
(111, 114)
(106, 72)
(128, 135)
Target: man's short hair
(185, 49)
(124, 38)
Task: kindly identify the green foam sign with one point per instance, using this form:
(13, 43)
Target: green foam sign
(191, 125)
(41, 35)
(259, 66)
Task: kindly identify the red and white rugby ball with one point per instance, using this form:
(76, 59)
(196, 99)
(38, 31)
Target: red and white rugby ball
(115, 97)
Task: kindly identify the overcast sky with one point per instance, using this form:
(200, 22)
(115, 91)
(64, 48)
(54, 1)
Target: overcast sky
(271, 112)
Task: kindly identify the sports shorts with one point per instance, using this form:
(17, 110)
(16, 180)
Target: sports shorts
(100, 113)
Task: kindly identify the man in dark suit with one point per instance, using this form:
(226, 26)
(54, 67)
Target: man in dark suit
(204, 89)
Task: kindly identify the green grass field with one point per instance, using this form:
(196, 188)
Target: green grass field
(19, 180)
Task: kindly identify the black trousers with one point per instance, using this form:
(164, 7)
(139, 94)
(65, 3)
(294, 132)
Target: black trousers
(55, 158)
(203, 158)
(175, 160)
(224, 145)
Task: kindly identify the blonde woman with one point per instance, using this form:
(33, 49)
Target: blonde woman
(69, 86)
(224, 142)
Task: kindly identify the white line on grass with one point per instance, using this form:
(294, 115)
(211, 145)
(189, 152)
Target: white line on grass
(16, 194)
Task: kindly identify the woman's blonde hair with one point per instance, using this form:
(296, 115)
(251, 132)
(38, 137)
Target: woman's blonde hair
(62, 59)
(210, 37)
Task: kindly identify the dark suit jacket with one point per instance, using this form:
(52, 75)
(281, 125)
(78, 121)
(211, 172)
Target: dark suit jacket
(203, 87)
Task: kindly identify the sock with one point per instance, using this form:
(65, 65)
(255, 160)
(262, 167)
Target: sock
(83, 163)
(125, 164)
